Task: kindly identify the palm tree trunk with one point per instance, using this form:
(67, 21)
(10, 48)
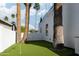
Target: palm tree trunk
(58, 26)
(25, 36)
(18, 24)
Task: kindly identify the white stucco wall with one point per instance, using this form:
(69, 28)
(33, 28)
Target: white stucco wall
(7, 38)
(48, 19)
(71, 24)
(34, 36)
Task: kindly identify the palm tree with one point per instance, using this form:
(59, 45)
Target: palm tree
(18, 23)
(58, 26)
(28, 5)
(36, 7)
(6, 18)
(27, 18)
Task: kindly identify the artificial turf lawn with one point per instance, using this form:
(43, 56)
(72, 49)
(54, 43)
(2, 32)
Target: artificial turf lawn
(35, 48)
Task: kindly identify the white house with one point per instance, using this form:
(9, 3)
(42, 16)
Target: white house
(70, 15)
(71, 25)
(46, 26)
(7, 36)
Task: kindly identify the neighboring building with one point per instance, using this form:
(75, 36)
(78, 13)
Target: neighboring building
(46, 25)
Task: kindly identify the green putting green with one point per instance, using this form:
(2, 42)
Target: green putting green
(36, 48)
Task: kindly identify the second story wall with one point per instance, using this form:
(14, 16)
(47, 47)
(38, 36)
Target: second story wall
(47, 21)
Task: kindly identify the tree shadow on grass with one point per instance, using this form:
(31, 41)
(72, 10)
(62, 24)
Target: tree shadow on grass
(40, 43)
(64, 52)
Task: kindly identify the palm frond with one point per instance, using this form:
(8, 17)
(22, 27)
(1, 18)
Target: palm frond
(37, 6)
(30, 4)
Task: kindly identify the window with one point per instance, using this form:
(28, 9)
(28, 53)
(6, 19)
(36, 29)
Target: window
(46, 29)
(46, 32)
(46, 26)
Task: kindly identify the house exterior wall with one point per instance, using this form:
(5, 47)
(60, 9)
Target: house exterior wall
(7, 38)
(47, 19)
(68, 20)
(71, 25)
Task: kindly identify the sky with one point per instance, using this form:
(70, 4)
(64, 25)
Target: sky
(6, 9)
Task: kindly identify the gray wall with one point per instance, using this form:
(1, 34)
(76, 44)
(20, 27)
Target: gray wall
(48, 19)
(34, 36)
(71, 23)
